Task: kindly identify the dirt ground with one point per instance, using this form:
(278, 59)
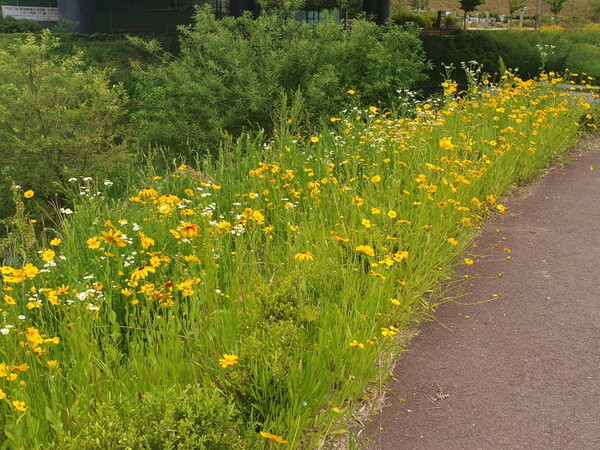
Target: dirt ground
(514, 363)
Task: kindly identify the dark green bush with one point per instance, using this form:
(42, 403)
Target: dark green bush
(576, 50)
(12, 25)
(231, 73)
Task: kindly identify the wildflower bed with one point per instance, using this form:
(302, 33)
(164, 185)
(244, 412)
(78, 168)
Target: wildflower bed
(247, 302)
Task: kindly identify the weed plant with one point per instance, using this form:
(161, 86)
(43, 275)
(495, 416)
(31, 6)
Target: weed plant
(247, 301)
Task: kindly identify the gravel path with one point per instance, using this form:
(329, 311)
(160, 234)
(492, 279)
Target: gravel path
(521, 371)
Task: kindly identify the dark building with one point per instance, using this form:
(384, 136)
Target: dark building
(110, 16)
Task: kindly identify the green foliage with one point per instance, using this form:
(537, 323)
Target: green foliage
(189, 101)
(195, 417)
(57, 118)
(555, 6)
(421, 20)
(12, 25)
(515, 5)
(576, 50)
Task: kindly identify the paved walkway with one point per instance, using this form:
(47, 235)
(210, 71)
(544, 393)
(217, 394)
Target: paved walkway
(522, 371)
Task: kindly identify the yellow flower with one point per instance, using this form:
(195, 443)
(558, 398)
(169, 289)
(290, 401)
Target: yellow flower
(20, 368)
(142, 272)
(188, 229)
(389, 332)
(314, 139)
(10, 300)
(228, 360)
(145, 241)
(273, 437)
(2, 394)
(501, 208)
(366, 249)
(452, 241)
(468, 261)
(392, 214)
(351, 91)
(375, 211)
(93, 243)
(367, 223)
(48, 255)
(19, 406)
(356, 344)
(148, 193)
(335, 235)
(357, 201)
(304, 256)
(28, 194)
(113, 236)
(52, 364)
(376, 179)
(446, 143)
(56, 241)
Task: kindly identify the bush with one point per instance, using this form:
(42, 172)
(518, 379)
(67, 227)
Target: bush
(194, 417)
(576, 50)
(421, 20)
(186, 103)
(58, 118)
(12, 25)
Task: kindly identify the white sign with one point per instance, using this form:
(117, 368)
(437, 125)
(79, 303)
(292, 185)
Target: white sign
(31, 13)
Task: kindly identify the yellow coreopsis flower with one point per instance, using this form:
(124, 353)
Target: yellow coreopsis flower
(19, 406)
(357, 201)
(366, 249)
(228, 360)
(48, 255)
(28, 194)
(93, 243)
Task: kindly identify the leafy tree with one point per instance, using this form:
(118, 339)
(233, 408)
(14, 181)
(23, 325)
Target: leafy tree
(515, 5)
(555, 6)
(58, 118)
(469, 5)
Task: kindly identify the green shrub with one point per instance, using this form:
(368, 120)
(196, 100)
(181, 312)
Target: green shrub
(232, 72)
(12, 25)
(57, 118)
(576, 50)
(192, 418)
(421, 20)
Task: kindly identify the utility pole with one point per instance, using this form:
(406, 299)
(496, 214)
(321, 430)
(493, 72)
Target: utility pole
(538, 15)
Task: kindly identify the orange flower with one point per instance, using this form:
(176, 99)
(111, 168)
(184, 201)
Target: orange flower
(273, 437)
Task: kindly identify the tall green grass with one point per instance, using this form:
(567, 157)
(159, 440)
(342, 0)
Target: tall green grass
(247, 301)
